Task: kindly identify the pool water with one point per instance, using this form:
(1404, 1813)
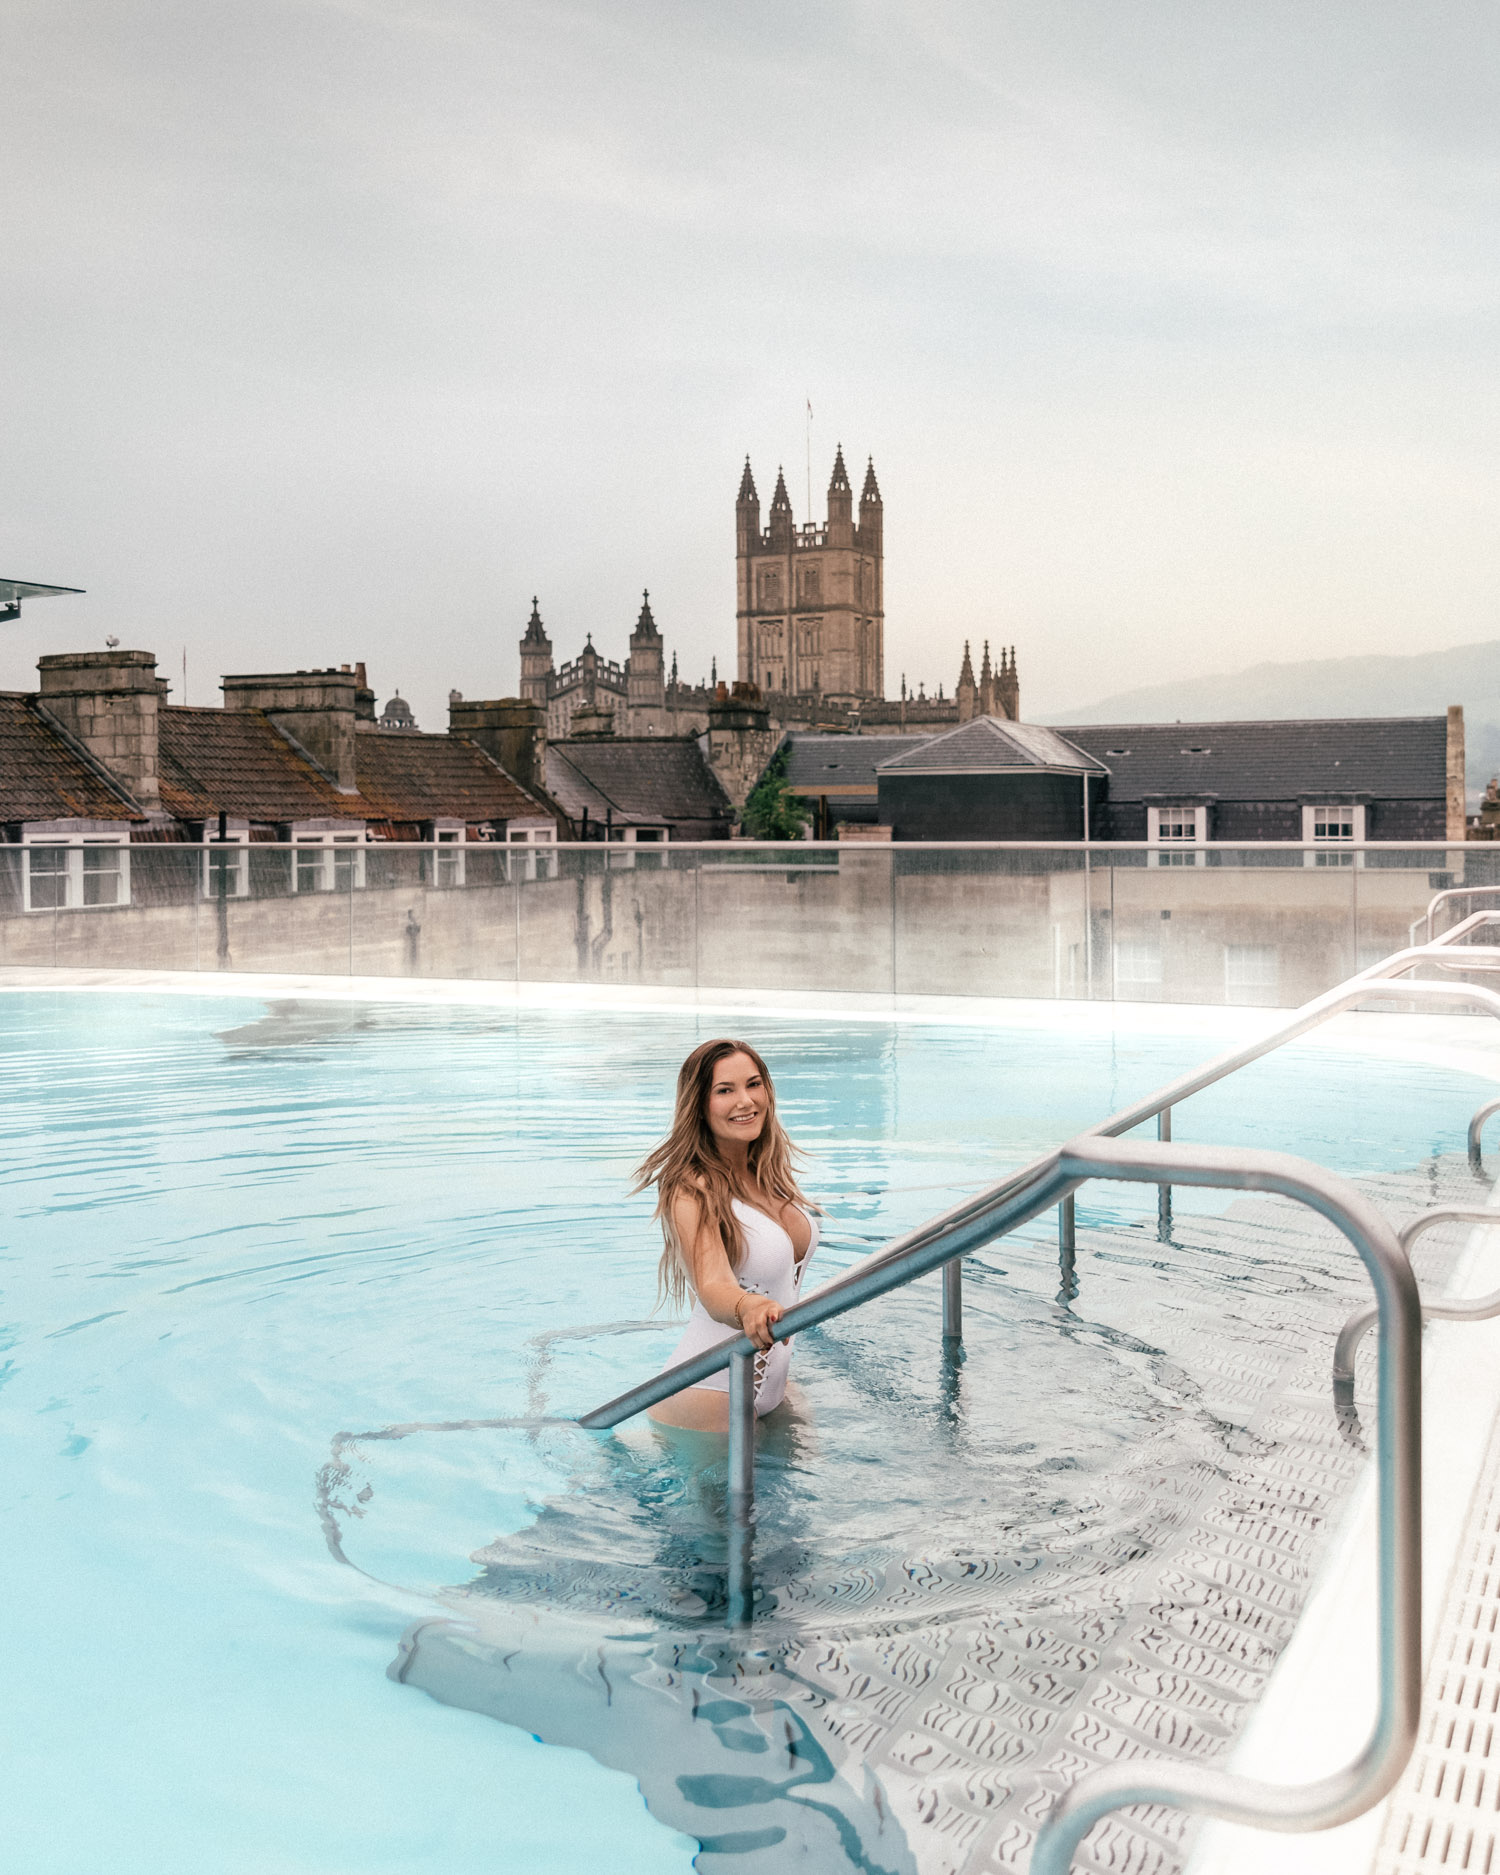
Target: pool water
(238, 1233)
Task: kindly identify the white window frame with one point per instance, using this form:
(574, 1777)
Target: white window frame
(1326, 844)
(1166, 834)
(74, 844)
(449, 867)
(1138, 961)
(534, 834)
(316, 852)
(234, 846)
(626, 842)
(1251, 967)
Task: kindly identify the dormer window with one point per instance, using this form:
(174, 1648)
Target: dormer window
(1179, 830)
(1333, 824)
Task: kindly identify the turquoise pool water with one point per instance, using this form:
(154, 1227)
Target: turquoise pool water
(234, 1231)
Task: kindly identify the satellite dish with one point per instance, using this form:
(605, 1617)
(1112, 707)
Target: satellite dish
(111, 643)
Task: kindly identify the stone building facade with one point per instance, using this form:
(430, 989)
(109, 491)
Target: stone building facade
(810, 628)
(810, 620)
(811, 600)
(641, 696)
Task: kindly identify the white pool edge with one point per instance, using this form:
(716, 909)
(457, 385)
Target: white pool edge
(1318, 1708)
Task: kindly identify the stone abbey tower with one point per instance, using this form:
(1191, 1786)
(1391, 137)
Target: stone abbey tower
(811, 600)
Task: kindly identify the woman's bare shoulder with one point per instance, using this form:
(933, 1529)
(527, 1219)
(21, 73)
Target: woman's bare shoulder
(689, 1198)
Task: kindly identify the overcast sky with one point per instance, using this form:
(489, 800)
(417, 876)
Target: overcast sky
(334, 329)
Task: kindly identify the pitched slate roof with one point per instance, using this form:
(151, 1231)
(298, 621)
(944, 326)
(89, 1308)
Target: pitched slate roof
(417, 776)
(1393, 758)
(215, 761)
(639, 780)
(834, 765)
(991, 745)
(40, 776)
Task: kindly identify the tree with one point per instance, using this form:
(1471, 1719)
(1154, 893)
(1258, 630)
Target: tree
(772, 811)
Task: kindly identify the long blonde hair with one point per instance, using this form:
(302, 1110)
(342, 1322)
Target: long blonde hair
(689, 1160)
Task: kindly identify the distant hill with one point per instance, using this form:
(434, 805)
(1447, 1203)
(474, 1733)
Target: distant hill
(1423, 685)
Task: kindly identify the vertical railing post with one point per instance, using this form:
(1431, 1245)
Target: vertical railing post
(1164, 1191)
(741, 1581)
(1067, 1253)
(953, 1300)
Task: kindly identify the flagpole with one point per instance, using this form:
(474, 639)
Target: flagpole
(809, 459)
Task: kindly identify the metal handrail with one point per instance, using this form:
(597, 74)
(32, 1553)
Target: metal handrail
(951, 1232)
(1466, 1309)
(1441, 898)
(942, 1242)
(1346, 1793)
(1476, 1130)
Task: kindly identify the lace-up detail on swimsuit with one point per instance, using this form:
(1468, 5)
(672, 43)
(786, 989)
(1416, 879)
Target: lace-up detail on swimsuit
(769, 1268)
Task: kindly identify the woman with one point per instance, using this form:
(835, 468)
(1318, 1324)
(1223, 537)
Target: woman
(738, 1231)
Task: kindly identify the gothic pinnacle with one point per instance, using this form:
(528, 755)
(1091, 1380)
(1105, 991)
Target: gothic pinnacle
(535, 631)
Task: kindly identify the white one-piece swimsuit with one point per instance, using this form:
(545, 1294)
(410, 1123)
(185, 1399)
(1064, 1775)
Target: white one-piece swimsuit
(769, 1268)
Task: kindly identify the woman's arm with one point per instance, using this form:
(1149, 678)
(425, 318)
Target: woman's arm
(713, 1281)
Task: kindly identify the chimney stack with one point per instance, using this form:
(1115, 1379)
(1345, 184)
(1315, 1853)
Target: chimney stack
(316, 709)
(511, 730)
(110, 702)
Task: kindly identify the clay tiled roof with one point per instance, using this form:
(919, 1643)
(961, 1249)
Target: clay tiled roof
(639, 780)
(1391, 758)
(413, 777)
(40, 776)
(234, 762)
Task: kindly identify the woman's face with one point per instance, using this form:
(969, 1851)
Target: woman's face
(737, 1101)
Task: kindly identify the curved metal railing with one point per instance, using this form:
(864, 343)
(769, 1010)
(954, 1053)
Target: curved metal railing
(1455, 1309)
(1373, 1771)
(1443, 898)
(1476, 1131)
(950, 1232)
(1051, 1180)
